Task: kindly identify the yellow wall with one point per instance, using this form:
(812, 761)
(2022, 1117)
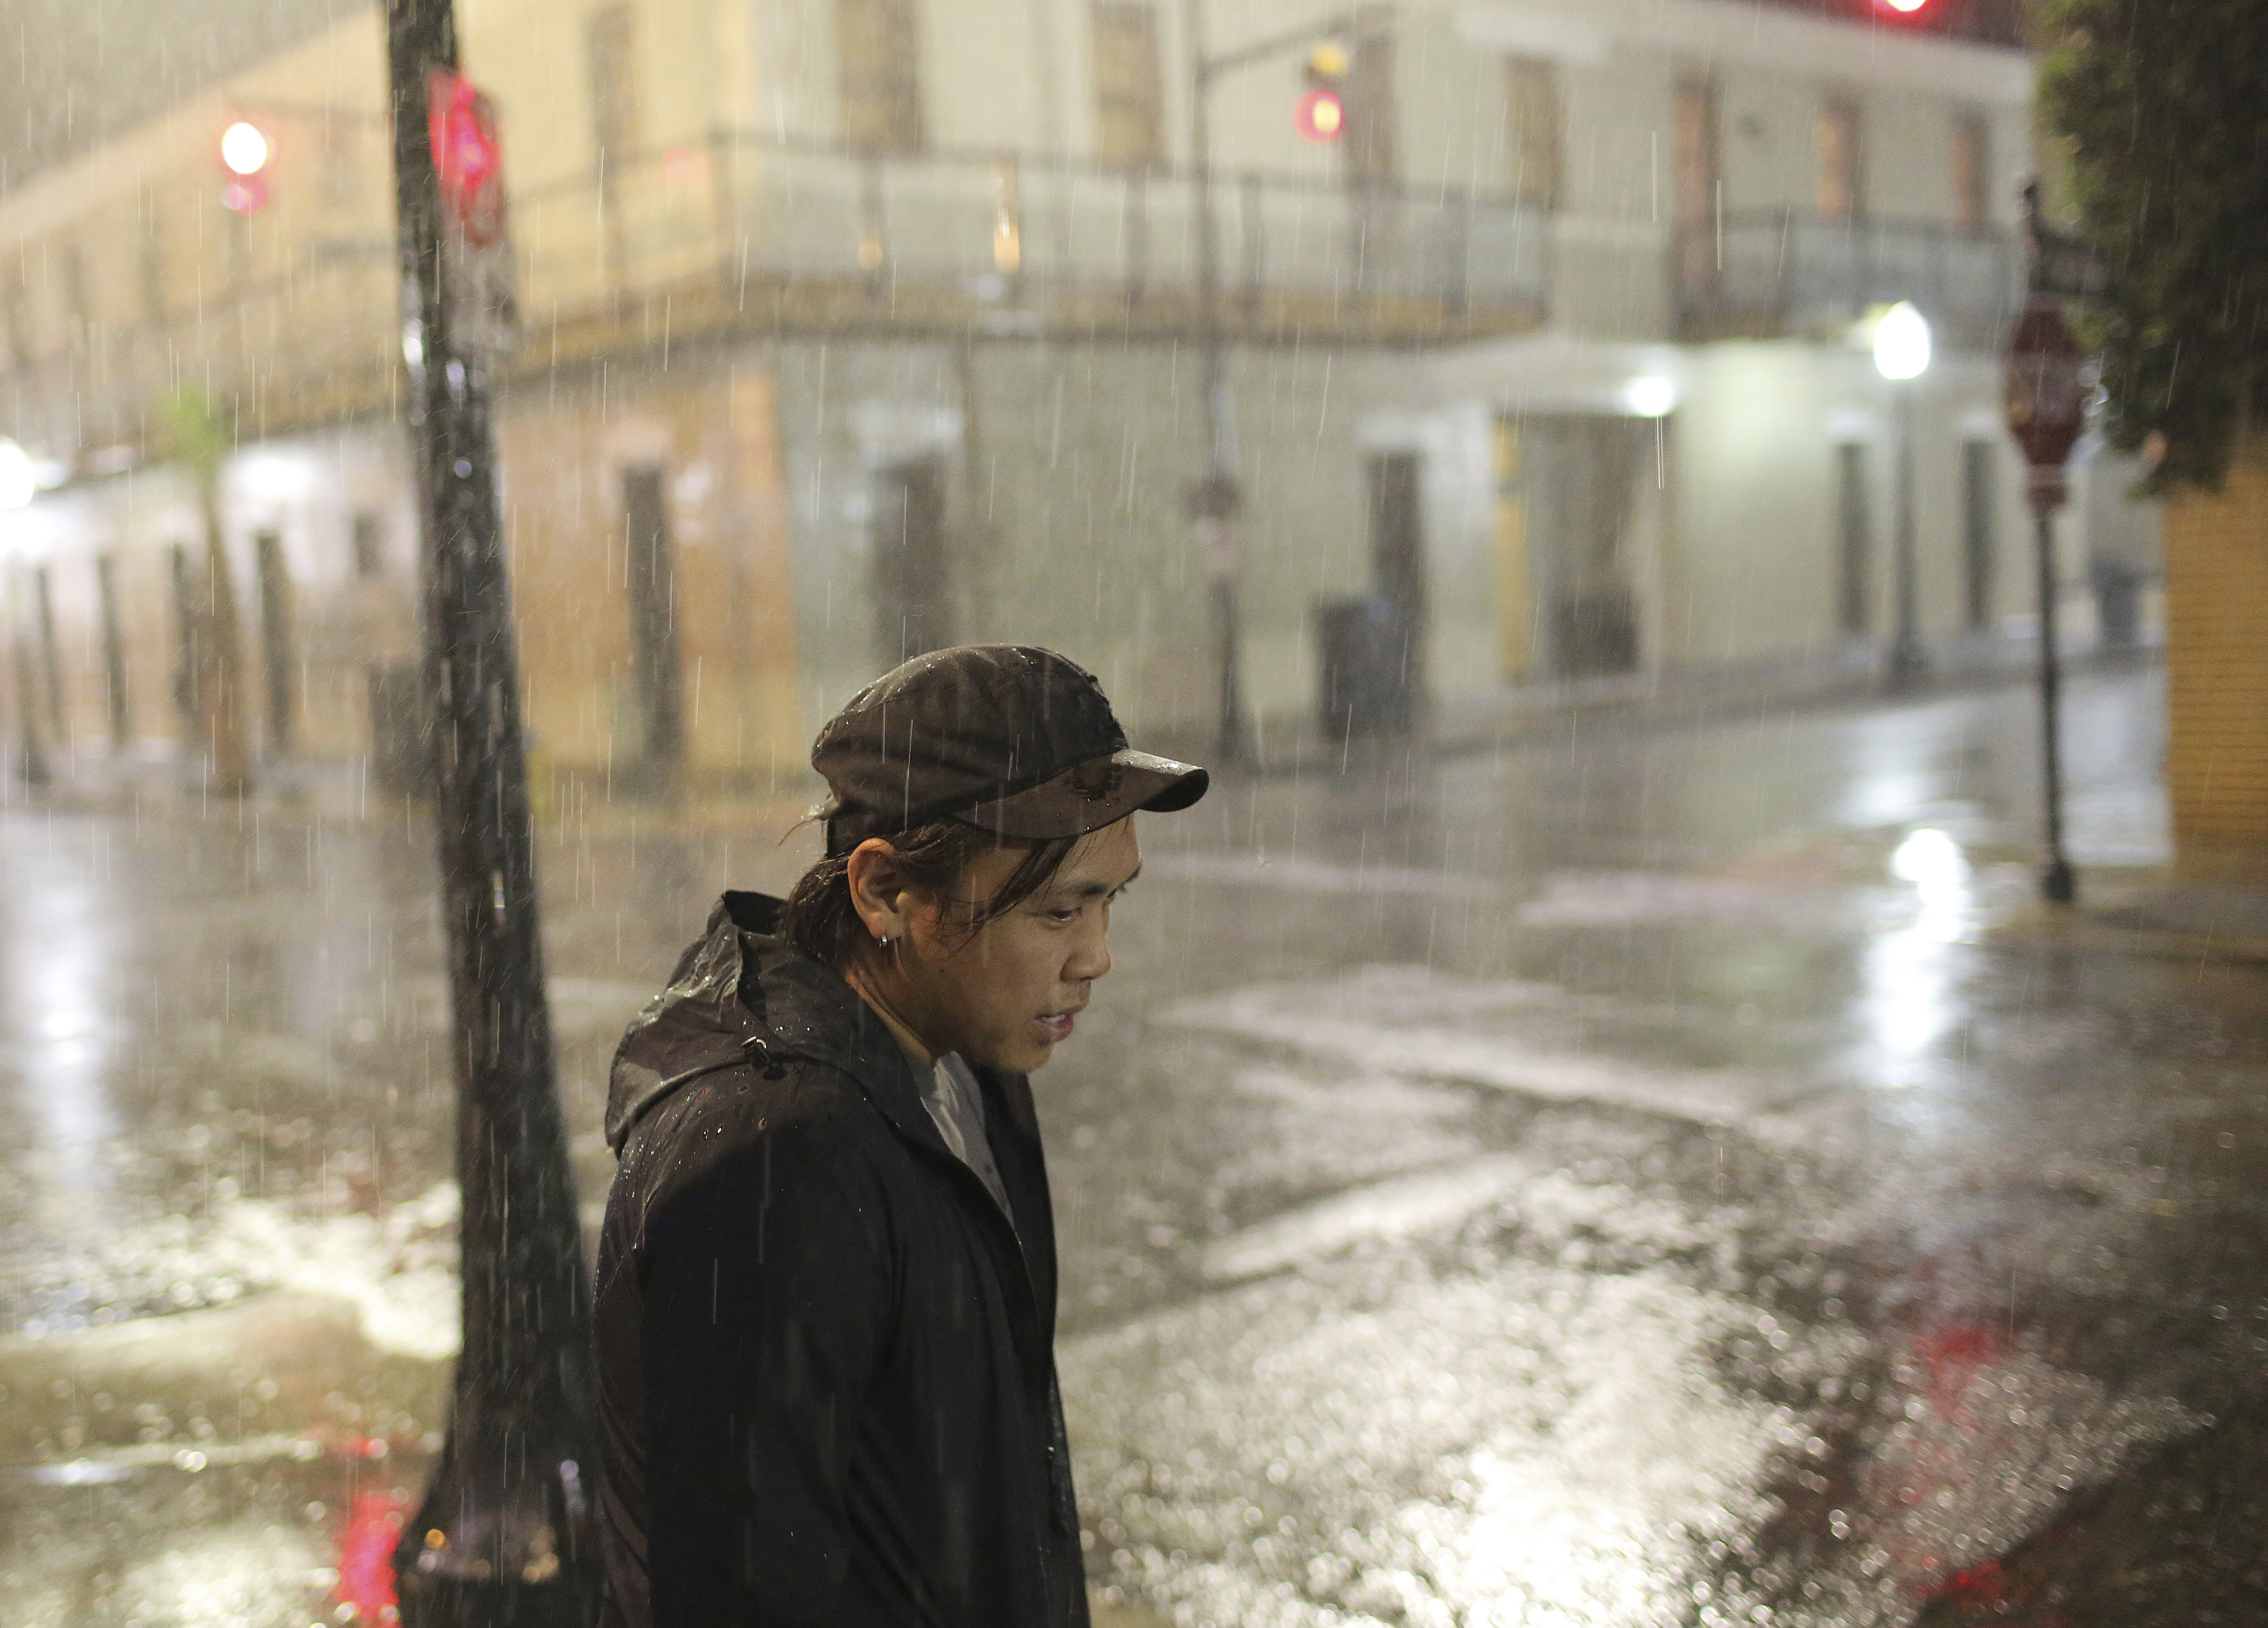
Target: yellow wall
(2217, 665)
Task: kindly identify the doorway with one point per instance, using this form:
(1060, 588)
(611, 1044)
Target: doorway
(908, 539)
(1588, 484)
(275, 641)
(649, 569)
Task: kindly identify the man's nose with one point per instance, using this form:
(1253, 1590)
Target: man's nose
(1090, 959)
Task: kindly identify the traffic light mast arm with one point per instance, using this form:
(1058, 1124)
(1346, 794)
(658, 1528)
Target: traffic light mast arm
(1347, 23)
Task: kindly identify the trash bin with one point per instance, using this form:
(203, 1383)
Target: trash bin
(1363, 659)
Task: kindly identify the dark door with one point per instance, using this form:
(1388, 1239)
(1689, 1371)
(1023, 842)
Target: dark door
(648, 566)
(1854, 543)
(278, 666)
(908, 559)
(1586, 474)
(114, 653)
(1397, 562)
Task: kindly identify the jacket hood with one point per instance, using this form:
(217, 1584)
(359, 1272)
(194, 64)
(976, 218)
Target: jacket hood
(740, 995)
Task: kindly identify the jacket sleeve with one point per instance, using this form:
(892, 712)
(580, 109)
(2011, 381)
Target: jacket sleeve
(769, 1293)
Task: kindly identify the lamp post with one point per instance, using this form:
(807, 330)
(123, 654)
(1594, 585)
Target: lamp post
(504, 1537)
(2046, 400)
(1901, 348)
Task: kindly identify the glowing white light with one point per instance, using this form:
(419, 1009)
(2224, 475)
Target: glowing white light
(1934, 864)
(20, 477)
(244, 148)
(1651, 396)
(1901, 343)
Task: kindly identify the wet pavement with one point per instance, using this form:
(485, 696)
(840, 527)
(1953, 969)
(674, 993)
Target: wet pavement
(1651, 1175)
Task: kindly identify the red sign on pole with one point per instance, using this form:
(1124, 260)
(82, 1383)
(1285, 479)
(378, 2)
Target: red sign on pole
(2045, 394)
(468, 161)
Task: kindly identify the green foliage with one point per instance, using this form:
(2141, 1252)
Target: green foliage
(200, 433)
(2164, 106)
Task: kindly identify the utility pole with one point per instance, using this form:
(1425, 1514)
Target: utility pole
(504, 1537)
(1216, 501)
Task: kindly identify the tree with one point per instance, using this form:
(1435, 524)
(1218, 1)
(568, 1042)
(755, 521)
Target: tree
(2163, 105)
(197, 435)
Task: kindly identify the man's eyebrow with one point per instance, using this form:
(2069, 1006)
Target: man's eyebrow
(1091, 890)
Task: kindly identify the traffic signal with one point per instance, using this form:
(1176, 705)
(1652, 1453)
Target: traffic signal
(1321, 115)
(246, 154)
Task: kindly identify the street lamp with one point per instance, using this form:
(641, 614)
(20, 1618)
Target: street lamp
(2045, 394)
(1902, 346)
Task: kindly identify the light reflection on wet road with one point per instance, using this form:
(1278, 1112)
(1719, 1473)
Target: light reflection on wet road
(1625, 1179)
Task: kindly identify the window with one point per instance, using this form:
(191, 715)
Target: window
(1841, 163)
(75, 295)
(1854, 540)
(1532, 129)
(368, 545)
(878, 43)
(151, 261)
(614, 88)
(1972, 172)
(1978, 548)
(1698, 184)
(1129, 131)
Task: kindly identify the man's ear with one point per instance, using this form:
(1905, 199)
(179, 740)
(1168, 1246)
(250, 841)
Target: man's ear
(878, 890)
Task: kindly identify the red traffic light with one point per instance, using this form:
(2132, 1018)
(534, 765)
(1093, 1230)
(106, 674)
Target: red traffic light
(1321, 116)
(1902, 8)
(467, 155)
(246, 152)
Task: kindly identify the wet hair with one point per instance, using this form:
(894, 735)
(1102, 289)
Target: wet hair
(820, 921)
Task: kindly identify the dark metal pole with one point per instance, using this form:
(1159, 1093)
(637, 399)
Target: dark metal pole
(2058, 885)
(1218, 502)
(505, 1536)
(1906, 663)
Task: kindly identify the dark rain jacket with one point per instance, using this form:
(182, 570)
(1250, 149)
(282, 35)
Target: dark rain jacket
(827, 1371)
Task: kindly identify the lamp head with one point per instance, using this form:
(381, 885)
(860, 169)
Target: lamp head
(1901, 343)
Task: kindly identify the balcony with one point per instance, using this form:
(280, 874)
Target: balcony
(739, 235)
(795, 238)
(1785, 274)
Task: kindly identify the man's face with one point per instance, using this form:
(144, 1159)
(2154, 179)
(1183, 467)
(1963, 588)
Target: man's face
(1005, 996)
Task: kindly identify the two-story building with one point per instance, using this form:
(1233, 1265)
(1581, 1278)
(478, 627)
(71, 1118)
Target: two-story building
(850, 328)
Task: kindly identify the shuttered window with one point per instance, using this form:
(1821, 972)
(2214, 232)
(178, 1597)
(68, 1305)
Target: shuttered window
(1130, 128)
(1532, 130)
(878, 48)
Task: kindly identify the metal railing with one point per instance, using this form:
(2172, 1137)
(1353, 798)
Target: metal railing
(798, 237)
(1014, 231)
(1771, 272)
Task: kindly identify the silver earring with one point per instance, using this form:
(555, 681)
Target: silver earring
(884, 941)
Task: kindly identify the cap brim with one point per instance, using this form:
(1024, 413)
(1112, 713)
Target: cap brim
(1094, 794)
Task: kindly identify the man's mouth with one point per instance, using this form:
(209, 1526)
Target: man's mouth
(1056, 1027)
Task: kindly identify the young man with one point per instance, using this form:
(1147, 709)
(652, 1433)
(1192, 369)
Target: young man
(827, 1283)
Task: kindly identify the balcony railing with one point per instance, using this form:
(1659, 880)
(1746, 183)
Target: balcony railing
(1782, 272)
(742, 234)
(818, 235)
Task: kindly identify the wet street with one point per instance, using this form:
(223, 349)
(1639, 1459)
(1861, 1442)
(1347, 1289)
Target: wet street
(1643, 1175)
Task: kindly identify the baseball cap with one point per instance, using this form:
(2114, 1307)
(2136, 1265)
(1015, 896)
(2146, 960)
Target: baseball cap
(1010, 738)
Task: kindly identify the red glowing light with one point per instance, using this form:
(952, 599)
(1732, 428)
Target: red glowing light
(366, 1556)
(1904, 8)
(467, 155)
(1321, 116)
